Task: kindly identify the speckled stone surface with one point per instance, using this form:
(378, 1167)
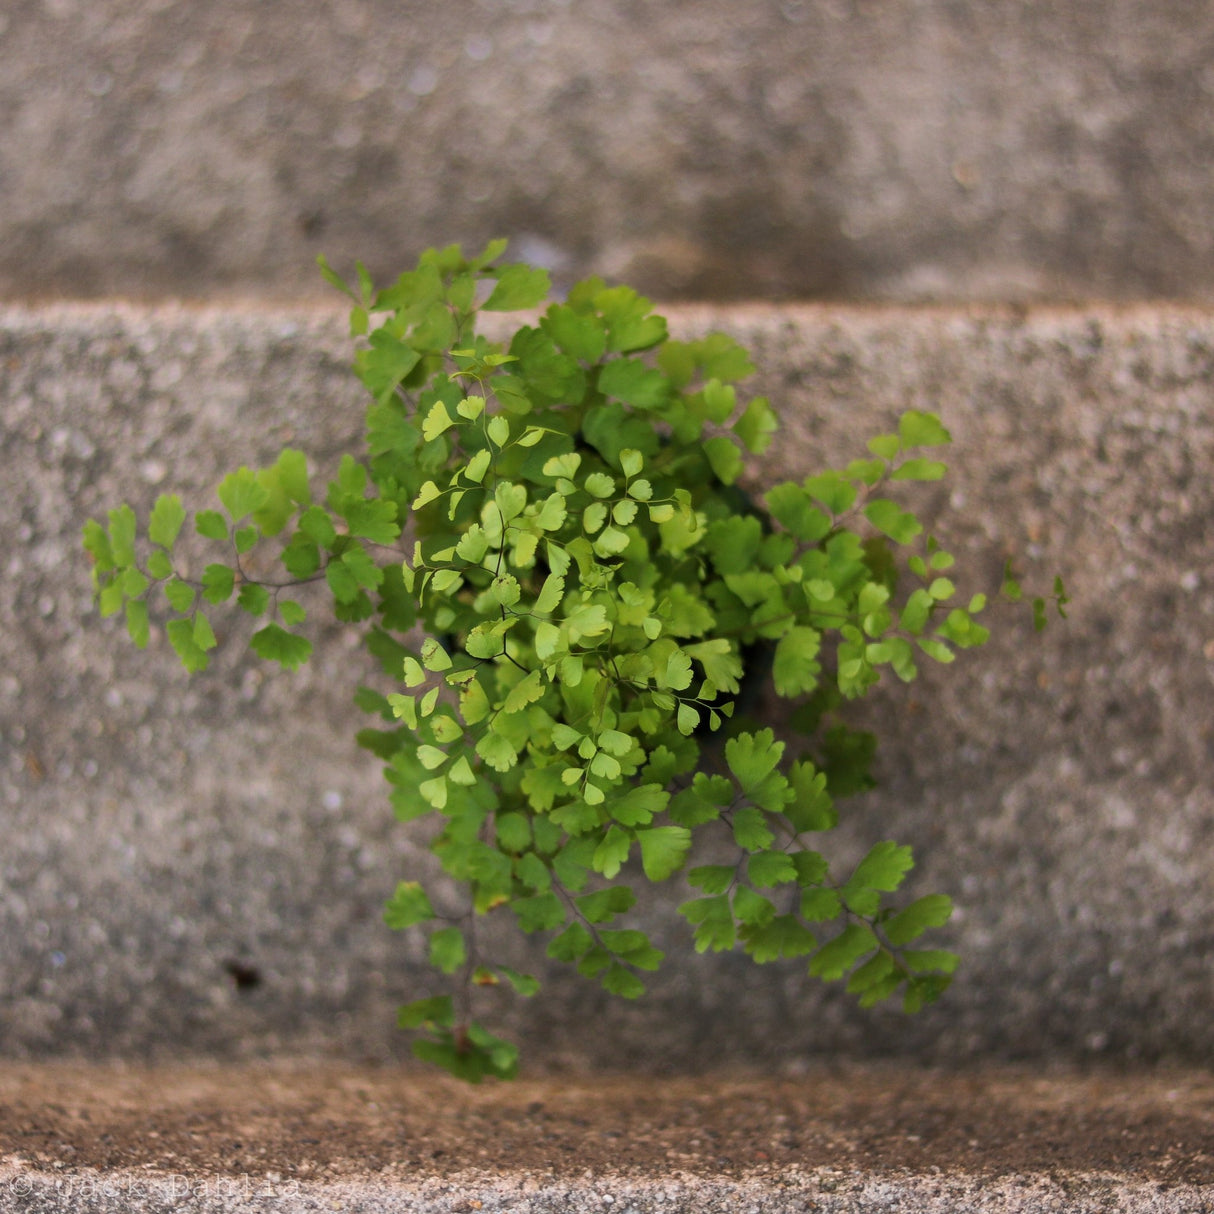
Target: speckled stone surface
(163, 833)
(841, 1139)
(773, 148)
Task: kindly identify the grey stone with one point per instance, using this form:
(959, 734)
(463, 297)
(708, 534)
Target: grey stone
(163, 832)
(863, 1193)
(785, 148)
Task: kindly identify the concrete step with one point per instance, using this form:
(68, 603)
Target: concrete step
(165, 835)
(790, 149)
(839, 1140)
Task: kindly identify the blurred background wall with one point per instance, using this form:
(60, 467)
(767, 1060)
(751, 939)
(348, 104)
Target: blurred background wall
(924, 149)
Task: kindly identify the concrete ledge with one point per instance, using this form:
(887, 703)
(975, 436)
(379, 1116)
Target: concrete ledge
(163, 834)
(843, 1139)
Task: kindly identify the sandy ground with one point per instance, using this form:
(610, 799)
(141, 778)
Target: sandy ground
(327, 1122)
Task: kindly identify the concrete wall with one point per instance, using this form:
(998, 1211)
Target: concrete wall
(159, 829)
(925, 149)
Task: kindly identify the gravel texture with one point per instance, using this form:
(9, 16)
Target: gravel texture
(774, 148)
(196, 866)
(842, 1138)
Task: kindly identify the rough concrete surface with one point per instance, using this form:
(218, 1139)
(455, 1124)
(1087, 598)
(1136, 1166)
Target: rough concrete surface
(167, 835)
(772, 148)
(839, 1139)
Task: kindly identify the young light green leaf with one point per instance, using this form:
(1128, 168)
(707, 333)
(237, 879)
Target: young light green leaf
(204, 634)
(499, 430)
(242, 494)
(180, 595)
(181, 637)
(434, 656)
(920, 470)
(550, 595)
(917, 429)
(166, 520)
(122, 536)
(497, 752)
(137, 622)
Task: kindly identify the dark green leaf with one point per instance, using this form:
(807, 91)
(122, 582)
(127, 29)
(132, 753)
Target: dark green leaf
(750, 829)
(883, 868)
(724, 458)
(663, 849)
(812, 807)
(612, 852)
(518, 287)
(447, 949)
(605, 904)
(571, 944)
(385, 363)
(769, 868)
(179, 595)
(539, 913)
(253, 598)
(580, 335)
(792, 508)
(713, 920)
(932, 911)
(523, 984)
(890, 519)
(409, 905)
(751, 908)
(630, 380)
(277, 645)
(835, 493)
(782, 936)
(712, 878)
(795, 668)
(820, 905)
(756, 425)
(835, 958)
(622, 982)
(437, 1010)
